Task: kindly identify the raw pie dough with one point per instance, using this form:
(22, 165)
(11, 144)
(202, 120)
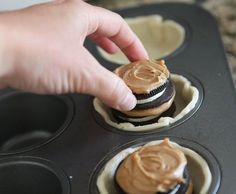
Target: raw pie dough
(198, 168)
(159, 37)
(185, 100)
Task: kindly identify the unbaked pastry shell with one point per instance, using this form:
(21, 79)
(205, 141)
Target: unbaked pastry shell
(185, 100)
(197, 166)
(159, 37)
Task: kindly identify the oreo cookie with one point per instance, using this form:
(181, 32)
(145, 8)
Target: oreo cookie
(167, 94)
(155, 168)
(139, 121)
(150, 83)
(153, 92)
(181, 188)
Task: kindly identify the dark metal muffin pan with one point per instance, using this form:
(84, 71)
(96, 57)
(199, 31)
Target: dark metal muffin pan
(84, 143)
(28, 175)
(212, 162)
(29, 120)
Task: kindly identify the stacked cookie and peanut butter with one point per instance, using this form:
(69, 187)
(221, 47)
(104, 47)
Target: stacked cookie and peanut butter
(150, 83)
(154, 169)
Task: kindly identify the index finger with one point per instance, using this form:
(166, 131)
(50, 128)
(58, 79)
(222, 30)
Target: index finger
(113, 26)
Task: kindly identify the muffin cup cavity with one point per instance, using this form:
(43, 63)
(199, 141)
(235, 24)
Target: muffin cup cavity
(28, 175)
(188, 98)
(29, 120)
(166, 37)
(203, 167)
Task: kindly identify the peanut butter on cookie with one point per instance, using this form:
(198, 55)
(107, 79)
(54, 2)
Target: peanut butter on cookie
(152, 169)
(143, 76)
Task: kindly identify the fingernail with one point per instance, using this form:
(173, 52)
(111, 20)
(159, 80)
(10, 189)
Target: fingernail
(128, 103)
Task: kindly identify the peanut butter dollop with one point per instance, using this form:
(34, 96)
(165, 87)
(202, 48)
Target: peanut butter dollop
(152, 169)
(143, 76)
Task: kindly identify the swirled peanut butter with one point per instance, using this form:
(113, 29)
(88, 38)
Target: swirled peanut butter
(143, 76)
(152, 169)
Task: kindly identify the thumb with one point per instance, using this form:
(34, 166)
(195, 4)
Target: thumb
(105, 85)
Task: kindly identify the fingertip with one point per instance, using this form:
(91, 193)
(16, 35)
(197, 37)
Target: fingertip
(108, 87)
(135, 50)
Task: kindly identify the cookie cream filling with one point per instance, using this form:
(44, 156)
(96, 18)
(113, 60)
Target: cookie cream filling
(197, 165)
(151, 111)
(152, 98)
(175, 190)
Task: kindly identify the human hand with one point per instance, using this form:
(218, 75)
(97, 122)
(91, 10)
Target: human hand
(42, 50)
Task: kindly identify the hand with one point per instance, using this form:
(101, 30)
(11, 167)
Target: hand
(42, 50)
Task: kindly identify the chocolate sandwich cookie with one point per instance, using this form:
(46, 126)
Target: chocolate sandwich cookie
(185, 187)
(150, 83)
(166, 95)
(138, 121)
(154, 169)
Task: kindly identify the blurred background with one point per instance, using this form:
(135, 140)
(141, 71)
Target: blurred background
(223, 10)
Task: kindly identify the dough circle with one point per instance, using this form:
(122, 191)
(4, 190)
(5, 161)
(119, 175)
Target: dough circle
(159, 37)
(185, 100)
(198, 168)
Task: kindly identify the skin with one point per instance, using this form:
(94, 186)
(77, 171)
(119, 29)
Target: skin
(42, 51)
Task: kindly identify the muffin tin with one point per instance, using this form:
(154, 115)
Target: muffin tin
(27, 175)
(59, 139)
